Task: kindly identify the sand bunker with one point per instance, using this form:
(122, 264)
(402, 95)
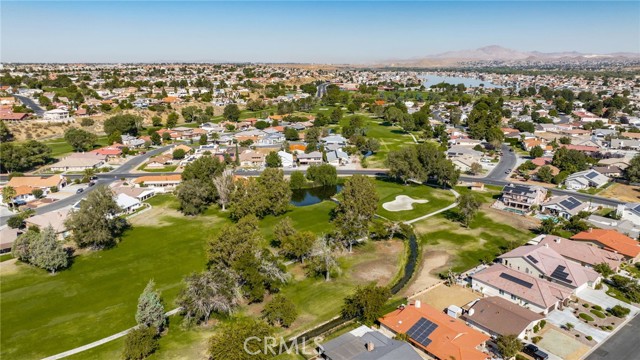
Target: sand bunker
(401, 203)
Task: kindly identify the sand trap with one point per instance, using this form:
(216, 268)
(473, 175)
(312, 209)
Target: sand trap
(401, 203)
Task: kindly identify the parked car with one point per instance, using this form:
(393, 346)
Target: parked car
(534, 352)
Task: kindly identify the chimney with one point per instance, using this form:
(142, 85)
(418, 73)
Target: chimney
(370, 346)
(558, 240)
(590, 230)
(417, 304)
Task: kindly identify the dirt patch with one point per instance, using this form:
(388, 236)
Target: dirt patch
(561, 345)
(155, 217)
(426, 276)
(622, 192)
(382, 269)
(441, 296)
(511, 219)
(8, 267)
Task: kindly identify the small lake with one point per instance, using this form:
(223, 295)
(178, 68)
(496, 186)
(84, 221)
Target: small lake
(453, 80)
(306, 197)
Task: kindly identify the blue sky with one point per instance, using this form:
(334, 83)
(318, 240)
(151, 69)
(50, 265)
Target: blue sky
(319, 32)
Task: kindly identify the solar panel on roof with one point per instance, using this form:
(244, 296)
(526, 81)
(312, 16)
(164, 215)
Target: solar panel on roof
(591, 175)
(570, 203)
(560, 274)
(533, 260)
(421, 330)
(516, 280)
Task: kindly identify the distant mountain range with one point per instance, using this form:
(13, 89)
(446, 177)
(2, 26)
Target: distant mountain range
(499, 53)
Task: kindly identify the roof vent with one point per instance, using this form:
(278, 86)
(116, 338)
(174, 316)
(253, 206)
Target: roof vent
(558, 240)
(417, 304)
(370, 346)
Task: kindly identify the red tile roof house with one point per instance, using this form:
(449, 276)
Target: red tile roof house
(436, 333)
(611, 240)
(531, 292)
(543, 262)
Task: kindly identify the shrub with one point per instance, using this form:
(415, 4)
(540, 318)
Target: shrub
(536, 339)
(536, 328)
(597, 307)
(585, 305)
(598, 313)
(589, 337)
(87, 122)
(619, 311)
(585, 317)
(542, 324)
(140, 343)
(521, 357)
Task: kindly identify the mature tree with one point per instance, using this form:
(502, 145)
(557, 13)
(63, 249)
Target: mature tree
(24, 156)
(403, 164)
(322, 260)
(224, 185)
(291, 134)
(273, 160)
(570, 160)
(297, 180)
(172, 120)
(80, 140)
(47, 253)
(95, 224)
(231, 112)
(280, 311)
(632, 172)
(114, 138)
(205, 168)
(232, 241)
(393, 115)
(544, 174)
(366, 304)
(156, 121)
(8, 193)
(469, 206)
(536, 152)
(323, 175)
(155, 138)
(194, 195)
(508, 345)
(21, 248)
(124, 123)
(298, 245)
(248, 197)
(178, 154)
(335, 115)
(283, 229)
(140, 343)
(356, 209)
(5, 134)
(276, 190)
(211, 291)
(547, 226)
(475, 168)
(203, 139)
(603, 269)
(230, 341)
(150, 312)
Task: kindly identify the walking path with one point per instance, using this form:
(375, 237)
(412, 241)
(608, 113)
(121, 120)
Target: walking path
(101, 341)
(455, 193)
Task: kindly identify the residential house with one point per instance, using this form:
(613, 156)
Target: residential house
(25, 185)
(611, 240)
(543, 262)
(363, 343)
(132, 141)
(564, 206)
(111, 152)
(435, 333)
(7, 237)
(159, 161)
(56, 115)
(623, 226)
(79, 162)
(585, 179)
(139, 193)
(56, 219)
(286, 159)
(581, 252)
(629, 211)
(334, 139)
(626, 144)
(337, 157)
(609, 171)
(529, 291)
(251, 158)
(312, 158)
(522, 198)
(127, 204)
(497, 316)
(159, 183)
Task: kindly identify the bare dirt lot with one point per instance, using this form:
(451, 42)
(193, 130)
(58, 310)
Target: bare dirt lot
(441, 296)
(384, 269)
(155, 217)
(622, 192)
(426, 276)
(561, 345)
(511, 219)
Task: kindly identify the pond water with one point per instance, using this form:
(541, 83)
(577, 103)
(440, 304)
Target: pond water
(431, 79)
(306, 197)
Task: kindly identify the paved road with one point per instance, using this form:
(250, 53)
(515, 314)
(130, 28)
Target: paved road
(31, 104)
(623, 345)
(322, 90)
(506, 164)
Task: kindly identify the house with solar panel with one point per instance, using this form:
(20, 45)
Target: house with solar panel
(436, 333)
(629, 212)
(521, 199)
(527, 290)
(585, 179)
(545, 263)
(564, 206)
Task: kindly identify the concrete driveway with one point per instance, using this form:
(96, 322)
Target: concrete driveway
(559, 318)
(600, 297)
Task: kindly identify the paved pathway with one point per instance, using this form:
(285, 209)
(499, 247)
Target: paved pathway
(455, 193)
(100, 342)
(559, 318)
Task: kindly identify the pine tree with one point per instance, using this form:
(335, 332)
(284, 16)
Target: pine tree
(47, 253)
(150, 308)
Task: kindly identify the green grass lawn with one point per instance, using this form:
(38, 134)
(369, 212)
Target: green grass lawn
(388, 190)
(304, 218)
(390, 137)
(44, 315)
(60, 147)
(485, 238)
